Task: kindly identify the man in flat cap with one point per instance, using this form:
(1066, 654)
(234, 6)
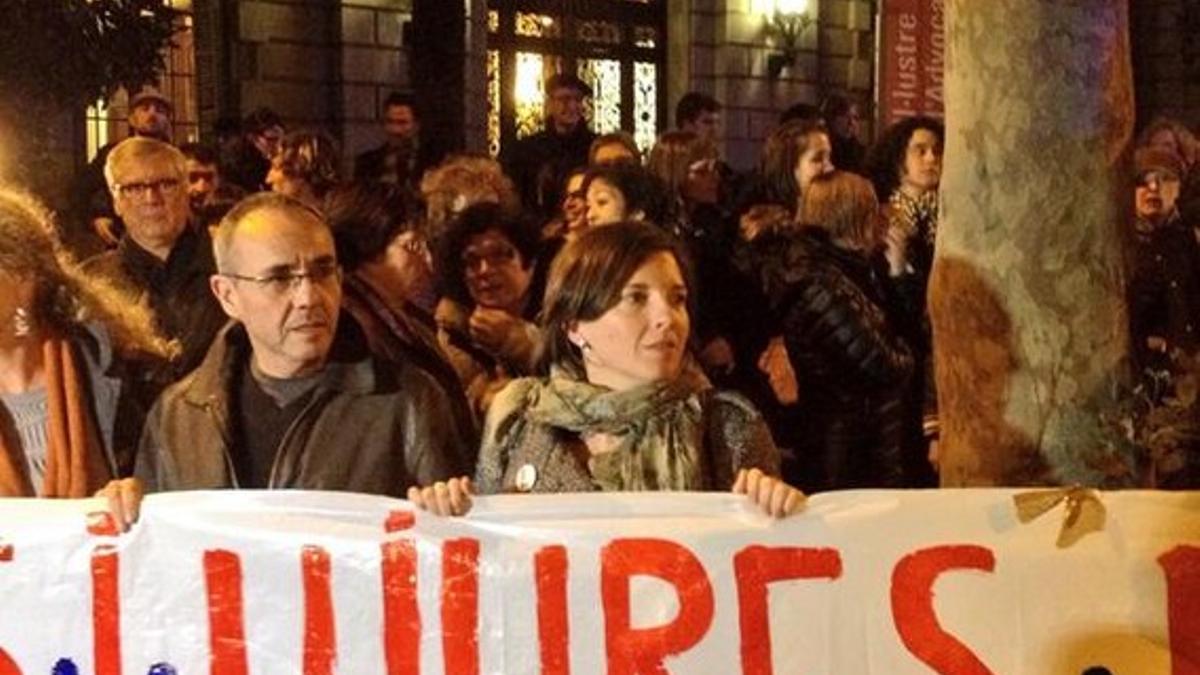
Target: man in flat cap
(539, 164)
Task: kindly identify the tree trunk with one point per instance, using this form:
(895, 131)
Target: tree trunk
(1027, 291)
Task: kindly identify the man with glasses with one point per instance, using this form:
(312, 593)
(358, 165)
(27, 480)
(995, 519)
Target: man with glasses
(97, 225)
(539, 164)
(160, 259)
(289, 395)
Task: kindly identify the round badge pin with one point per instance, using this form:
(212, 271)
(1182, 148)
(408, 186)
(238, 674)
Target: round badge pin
(526, 477)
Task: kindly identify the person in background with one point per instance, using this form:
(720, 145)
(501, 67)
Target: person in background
(573, 216)
(1164, 286)
(290, 396)
(620, 192)
(905, 166)
(305, 167)
(96, 225)
(614, 148)
(488, 266)
(838, 318)
(246, 161)
(731, 312)
(405, 155)
(210, 196)
(843, 119)
(162, 260)
(70, 346)
(460, 182)
(623, 408)
(700, 114)
(538, 164)
(793, 155)
(388, 275)
(1174, 137)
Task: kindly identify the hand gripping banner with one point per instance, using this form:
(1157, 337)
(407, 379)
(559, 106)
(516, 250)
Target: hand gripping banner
(869, 582)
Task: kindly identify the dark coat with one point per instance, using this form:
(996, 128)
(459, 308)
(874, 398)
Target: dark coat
(119, 404)
(177, 291)
(850, 360)
(406, 169)
(370, 426)
(539, 165)
(1164, 291)
(404, 338)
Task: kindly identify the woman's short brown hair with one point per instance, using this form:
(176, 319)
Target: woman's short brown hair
(587, 277)
(843, 204)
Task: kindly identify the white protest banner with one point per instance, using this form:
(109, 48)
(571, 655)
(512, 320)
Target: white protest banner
(863, 582)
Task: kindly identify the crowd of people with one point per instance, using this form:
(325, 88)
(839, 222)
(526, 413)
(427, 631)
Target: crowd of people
(573, 316)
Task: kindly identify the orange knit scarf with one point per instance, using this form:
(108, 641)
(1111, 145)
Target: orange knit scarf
(75, 463)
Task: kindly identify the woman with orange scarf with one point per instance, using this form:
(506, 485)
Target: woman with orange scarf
(70, 348)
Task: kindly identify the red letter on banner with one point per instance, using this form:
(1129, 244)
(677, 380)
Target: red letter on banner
(106, 601)
(757, 566)
(320, 639)
(912, 606)
(226, 624)
(460, 606)
(401, 615)
(550, 570)
(642, 650)
(1182, 568)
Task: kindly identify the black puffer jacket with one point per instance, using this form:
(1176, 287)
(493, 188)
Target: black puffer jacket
(850, 361)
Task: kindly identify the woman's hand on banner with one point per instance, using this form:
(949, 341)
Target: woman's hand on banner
(443, 498)
(124, 497)
(775, 497)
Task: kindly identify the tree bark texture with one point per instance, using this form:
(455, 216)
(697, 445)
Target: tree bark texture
(1027, 291)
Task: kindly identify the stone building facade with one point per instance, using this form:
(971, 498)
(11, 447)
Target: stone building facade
(330, 63)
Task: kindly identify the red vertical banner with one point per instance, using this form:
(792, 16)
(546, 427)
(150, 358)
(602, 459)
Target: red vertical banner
(320, 639)
(226, 625)
(460, 606)
(912, 59)
(401, 611)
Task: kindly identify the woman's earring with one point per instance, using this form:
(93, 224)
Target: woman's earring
(22, 323)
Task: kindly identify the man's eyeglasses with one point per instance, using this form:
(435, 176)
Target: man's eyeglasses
(139, 190)
(323, 274)
(494, 257)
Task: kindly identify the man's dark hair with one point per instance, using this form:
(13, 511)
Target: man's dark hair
(475, 220)
(834, 106)
(365, 219)
(199, 152)
(259, 120)
(805, 112)
(399, 98)
(693, 104)
(886, 157)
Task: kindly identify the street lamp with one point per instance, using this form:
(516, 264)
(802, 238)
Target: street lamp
(786, 22)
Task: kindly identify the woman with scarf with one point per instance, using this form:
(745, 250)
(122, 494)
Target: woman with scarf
(623, 409)
(68, 343)
(906, 167)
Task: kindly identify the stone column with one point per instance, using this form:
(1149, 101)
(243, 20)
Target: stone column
(1026, 296)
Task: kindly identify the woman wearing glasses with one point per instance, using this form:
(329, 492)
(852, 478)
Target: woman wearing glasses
(491, 286)
(624, 408)
(68, 343)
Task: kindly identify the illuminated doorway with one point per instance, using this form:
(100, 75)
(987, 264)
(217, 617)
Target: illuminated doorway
(617, 46)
